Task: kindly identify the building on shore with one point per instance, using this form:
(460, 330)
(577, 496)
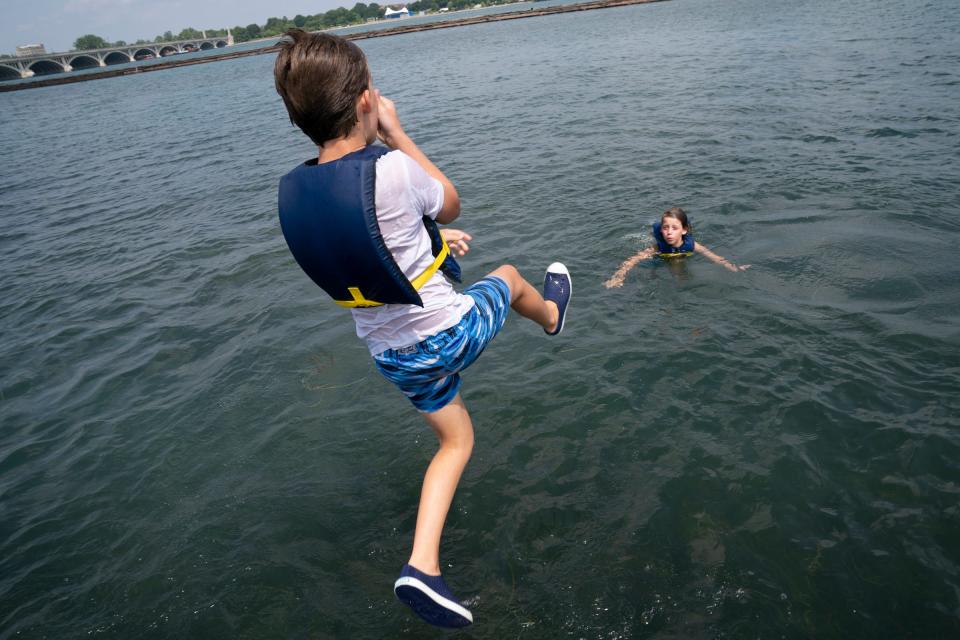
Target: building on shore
(402, 12)
(31, 50)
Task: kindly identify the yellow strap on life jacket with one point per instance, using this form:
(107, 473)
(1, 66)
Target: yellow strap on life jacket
(360, 301)
(676, 255)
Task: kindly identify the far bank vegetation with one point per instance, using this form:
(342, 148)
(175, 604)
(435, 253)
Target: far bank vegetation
(339, 17)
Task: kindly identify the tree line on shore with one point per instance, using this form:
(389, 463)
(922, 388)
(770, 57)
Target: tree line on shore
(339, 17)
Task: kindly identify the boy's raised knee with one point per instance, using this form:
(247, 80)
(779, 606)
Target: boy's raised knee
(506, 271)
(509, 274)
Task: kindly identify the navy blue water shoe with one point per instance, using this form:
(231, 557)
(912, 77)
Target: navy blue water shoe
(558, 287)
(430, 598)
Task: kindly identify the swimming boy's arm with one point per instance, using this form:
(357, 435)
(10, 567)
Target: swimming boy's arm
(616, 280)
(393, 135)
(720, 260)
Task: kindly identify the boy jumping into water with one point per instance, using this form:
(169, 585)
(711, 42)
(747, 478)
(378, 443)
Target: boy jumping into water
(360, 219)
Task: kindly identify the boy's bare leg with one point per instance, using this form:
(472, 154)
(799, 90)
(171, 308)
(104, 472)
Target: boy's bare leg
(455, 431)
(526, 300)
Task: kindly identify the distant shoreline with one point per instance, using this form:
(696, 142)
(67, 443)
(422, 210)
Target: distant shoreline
(66, 78)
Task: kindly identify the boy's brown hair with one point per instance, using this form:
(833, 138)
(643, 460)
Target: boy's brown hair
(320, 76)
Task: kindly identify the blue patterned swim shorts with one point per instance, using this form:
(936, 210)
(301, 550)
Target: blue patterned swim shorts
(428, 373)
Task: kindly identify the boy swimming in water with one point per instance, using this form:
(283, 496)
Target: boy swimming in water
(360, 219)
(674, 239)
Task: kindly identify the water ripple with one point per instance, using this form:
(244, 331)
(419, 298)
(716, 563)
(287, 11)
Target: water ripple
(194, 442)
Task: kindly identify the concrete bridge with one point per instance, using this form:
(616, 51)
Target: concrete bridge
(43, 64)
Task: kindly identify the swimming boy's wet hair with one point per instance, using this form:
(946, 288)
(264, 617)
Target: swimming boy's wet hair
(680, 215)
(320, 76)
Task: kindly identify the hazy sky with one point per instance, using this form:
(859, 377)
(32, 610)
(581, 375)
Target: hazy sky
(57, 23)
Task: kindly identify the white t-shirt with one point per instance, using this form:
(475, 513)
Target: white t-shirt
(404, 194)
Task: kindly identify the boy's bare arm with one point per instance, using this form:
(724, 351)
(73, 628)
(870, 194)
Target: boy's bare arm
(720, 260)
(393, 135)
(616, 280)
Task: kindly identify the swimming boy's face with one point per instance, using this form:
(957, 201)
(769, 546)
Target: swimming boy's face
(672, 231)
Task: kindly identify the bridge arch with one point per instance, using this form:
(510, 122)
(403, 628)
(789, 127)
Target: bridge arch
(117, 57)
(55, 63)
(45, 67)
(83, 62)
(9, 73)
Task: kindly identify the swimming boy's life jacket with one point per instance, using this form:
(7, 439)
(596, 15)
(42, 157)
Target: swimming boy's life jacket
(665, 250)
(329, 220)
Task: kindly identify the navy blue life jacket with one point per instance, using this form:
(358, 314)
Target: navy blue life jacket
(665, 250)
(329, 220)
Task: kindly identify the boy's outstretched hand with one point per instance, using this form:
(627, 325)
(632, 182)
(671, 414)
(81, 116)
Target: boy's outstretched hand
(457, 240)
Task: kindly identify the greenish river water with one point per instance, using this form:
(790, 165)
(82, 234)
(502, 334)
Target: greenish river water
(195, 445)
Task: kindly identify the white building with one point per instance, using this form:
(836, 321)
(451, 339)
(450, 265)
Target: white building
(402, 12)
(31, 50)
